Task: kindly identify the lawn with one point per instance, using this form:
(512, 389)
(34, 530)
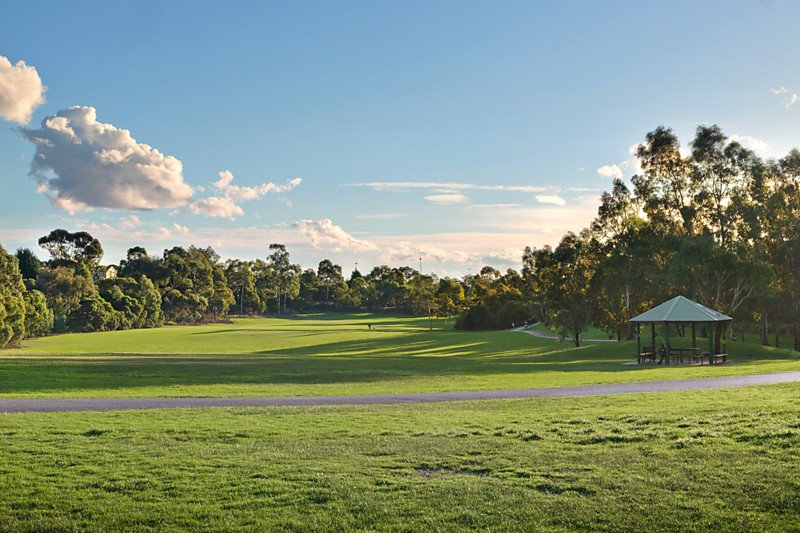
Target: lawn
(692, 461)
(330, 354)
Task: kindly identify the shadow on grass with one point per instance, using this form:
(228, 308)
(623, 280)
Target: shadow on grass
(416, 354)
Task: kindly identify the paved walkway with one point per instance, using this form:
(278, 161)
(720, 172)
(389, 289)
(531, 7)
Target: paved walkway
(113, 404)
(554, 337)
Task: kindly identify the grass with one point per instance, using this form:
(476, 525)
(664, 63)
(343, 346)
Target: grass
(330, 354)
(690, 461)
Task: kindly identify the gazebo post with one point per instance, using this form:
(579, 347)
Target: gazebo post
(666, 339)
(638, 343)
(653, 333)
(710, 340)
(694, 337)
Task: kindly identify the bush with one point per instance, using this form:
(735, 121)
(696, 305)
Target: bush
(38, 317)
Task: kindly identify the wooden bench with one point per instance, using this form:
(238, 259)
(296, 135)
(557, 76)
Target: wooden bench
(648, 353)
(719, 358)
(700, 357)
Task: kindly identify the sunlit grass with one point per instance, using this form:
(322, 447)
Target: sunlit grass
(712, 461)
(327, 354)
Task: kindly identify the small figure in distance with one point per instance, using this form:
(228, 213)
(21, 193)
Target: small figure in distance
(369, 326)
(662, 352)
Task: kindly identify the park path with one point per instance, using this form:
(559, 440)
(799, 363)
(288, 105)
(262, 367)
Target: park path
(48, 405)
(553, 337)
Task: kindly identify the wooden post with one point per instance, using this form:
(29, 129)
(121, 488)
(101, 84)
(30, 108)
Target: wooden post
(694, 337)
(638, 343)
(710, 339)
(653, 334)
(666, 338)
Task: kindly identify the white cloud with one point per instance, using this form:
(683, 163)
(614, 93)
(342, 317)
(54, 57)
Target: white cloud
(610, 171)
(324, 233)
(21, 91)
(235, 192)
(177, 228)
(550, 199)
(225, 206)
(753, 143)
(81, 163)
(451, 186)
(790, 98)
(446, 198)
(218, 207)
(405, 251)
(130, 222)
(505, 256)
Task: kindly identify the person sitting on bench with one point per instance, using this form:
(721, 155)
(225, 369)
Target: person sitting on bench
(662, 353)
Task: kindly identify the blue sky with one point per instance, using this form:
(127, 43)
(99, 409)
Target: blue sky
(458, 131)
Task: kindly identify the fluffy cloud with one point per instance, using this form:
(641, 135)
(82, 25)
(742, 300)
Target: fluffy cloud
(446, 198)
(219, 207)
(235, 192)
(610, 171)
(325, 234)
(550, 199)
(81, 163)
(790, 98)
(405, 251)
(225, 206)
(21, 91)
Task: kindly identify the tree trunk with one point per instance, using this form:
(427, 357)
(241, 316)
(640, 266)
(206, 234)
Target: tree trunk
(577, 339)
(765, 332)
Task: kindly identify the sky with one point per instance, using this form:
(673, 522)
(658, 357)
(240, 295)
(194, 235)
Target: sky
(366, 132)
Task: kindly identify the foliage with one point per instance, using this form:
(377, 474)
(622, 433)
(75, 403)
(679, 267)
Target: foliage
(12, 300)
(38, 317)
(29, 264)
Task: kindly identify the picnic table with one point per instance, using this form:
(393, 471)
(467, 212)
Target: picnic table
(677, 353)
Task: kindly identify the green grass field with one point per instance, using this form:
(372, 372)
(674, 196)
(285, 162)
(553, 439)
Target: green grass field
(694, 461)
(331, 354)
(723, 460)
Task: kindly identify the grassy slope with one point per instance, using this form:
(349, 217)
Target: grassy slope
(329, 354)
(712, 460)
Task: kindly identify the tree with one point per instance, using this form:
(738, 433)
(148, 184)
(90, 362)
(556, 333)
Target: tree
(286, 276)
(242, 281)
(64, 290)
(38, 317)
(449, 298)
(329, 275)
(12, 300)
(72, 249)
(665, 187)
(93, 314)
(569, 292)
(29, 264)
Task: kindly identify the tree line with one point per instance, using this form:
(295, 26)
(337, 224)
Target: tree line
(719, 225)
(73, 292)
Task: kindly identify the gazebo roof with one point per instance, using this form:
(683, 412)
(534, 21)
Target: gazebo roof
(681, 309)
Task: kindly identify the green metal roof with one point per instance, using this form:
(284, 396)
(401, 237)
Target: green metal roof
(681, 309)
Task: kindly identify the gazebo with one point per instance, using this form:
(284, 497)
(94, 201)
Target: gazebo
(679, 310)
